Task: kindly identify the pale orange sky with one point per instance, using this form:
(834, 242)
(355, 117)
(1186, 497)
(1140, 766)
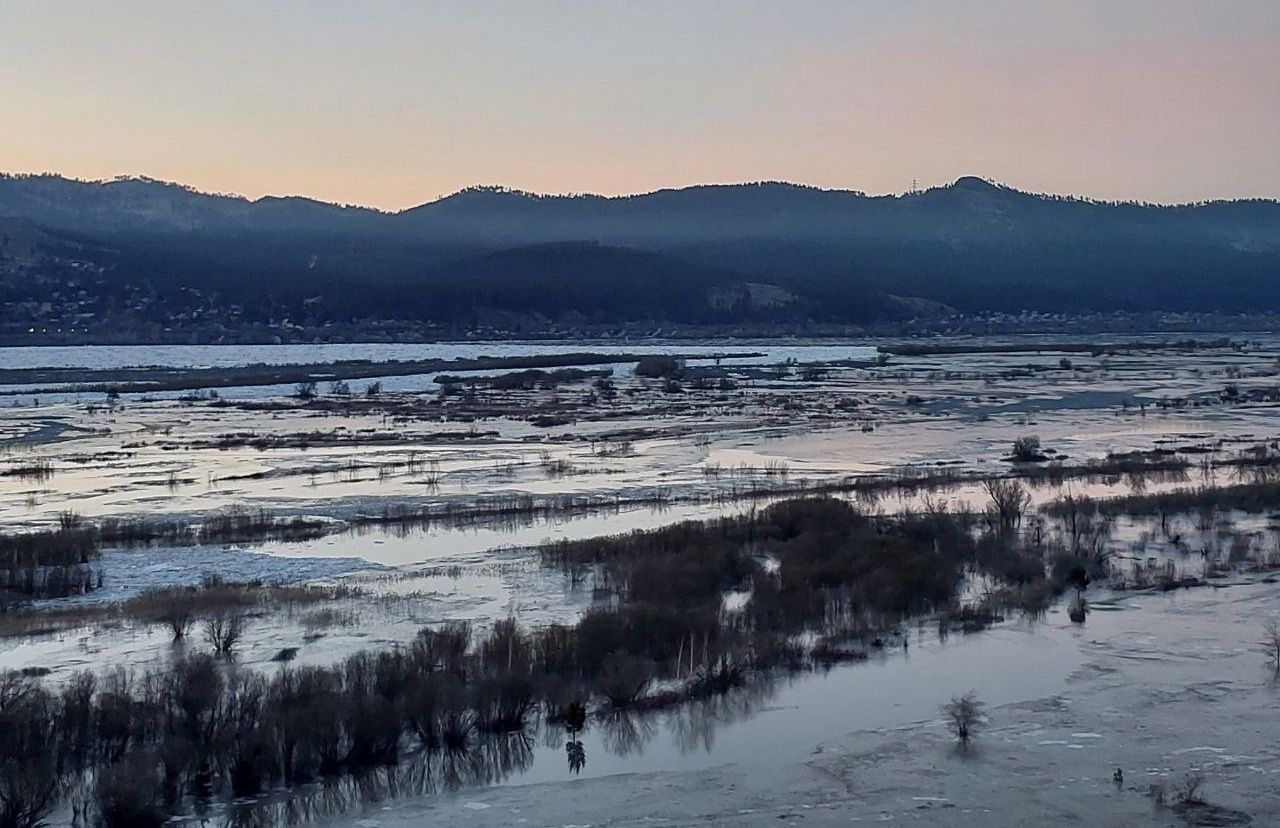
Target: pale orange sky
(394, 103)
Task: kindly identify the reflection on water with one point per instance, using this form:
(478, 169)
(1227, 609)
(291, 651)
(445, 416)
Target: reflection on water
(441, 540)
(498, 758)
(577, 755)
(486, 762)
(440, 543)
(106, 357)
(770, 719)
(575, 721)
(1078, 612)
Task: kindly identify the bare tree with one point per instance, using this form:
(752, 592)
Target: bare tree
(965, 716)
(30, 775)
(28, 791)
(223, 632)
(1271, 639)
(176, 613)
(1008, 502)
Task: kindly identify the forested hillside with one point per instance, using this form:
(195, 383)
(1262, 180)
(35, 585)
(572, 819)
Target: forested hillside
(79, 255)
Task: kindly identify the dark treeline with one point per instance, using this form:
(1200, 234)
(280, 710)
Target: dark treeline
(530, 379)
(48, 564)
(200, 378)
(60, 562)
(1260, 496)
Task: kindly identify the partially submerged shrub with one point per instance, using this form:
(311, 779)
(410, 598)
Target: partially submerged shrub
(1026, 449)
(130, 794)
(49, 564)
(176, 612)
(964, 716)
(1009, 500)
(659, 367)
(224, 631)
(624, 677)
(30, 776)
(1271, 640)
(1187, 790)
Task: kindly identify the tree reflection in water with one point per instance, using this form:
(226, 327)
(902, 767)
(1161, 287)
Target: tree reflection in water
(495, 758)
(693, 726)
(577, 755)
(486, 761)
(575, 721)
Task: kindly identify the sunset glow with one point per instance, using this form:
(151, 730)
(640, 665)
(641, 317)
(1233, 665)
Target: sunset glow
(392, 104)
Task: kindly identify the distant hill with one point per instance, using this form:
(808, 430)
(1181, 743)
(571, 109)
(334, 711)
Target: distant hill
(716, 254)
(134, 205)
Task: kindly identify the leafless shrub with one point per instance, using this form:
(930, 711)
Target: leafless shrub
(130, 795)
(777, 468)
(30, 777)
(1009, 500)
(624, 677)
(325, 618)
(613, 448)
(1271, 640)
(965, 716)
(1026, 449)
(554, 467)
(175, 610)
(223, 632)
(1187, 790)
(38, 470)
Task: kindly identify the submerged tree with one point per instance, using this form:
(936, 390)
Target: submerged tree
(224, 631)
(1009, 500)
(177, 612)
(1271, 639)
(31, 775)
(965, 716)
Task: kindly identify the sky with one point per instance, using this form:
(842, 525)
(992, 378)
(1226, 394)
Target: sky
(392, 104)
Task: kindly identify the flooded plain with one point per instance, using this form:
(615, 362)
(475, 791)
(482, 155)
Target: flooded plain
(422, 502)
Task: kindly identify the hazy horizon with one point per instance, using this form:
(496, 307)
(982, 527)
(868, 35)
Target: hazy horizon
(392, 105)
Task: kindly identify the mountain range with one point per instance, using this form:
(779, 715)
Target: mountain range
(135, 251)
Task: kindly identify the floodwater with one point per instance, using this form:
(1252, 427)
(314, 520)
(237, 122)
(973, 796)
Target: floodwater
(227, 356)
(1157, 685)
(785, 721)
(646, 460)
(107, 357)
